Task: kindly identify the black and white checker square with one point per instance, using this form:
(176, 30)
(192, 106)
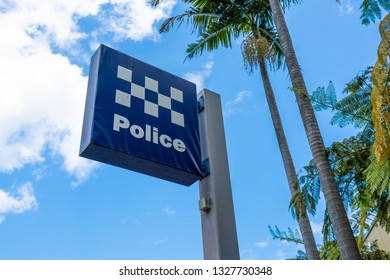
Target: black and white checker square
(150, 108)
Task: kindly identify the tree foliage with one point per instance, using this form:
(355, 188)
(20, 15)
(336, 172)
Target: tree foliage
(378, 172)
(361, 163)
(372, 252)
(217, 23)
(289, 236)
(380, 95)
(328, 250)
(324, 98)
(355, 109)
(352, 162)
(348, 158)
(371, 10)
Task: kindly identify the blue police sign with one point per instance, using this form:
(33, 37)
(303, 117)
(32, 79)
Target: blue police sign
(141, 118)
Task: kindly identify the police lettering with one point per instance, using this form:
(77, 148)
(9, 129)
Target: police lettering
(149, 133)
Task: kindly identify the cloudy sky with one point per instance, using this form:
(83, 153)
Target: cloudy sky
(56, 205)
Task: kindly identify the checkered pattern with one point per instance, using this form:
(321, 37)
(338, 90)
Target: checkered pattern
(150, 108)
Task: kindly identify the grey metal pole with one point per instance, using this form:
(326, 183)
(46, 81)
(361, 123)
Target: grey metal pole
(216, 202)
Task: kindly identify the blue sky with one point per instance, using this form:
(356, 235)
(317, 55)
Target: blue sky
(56, 205)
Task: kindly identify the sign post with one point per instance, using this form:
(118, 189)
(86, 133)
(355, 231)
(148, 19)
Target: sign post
(216, 202)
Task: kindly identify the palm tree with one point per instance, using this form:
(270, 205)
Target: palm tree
(217, 22)
(303, 221)
(362, 183)
(369, 203)
(337, 213)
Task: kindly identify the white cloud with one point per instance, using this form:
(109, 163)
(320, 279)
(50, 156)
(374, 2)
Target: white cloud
(198, 77)
(51, 20)
(135, 19)
(39, 172)
(233, 106)
(44, 96)
(168, 211)
(346, 8)
(42, 90)
(262, 244)
(349, 8)
(57, 20)
(23, 200)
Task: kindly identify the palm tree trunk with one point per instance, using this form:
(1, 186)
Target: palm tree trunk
(338, 215)
(303, 221)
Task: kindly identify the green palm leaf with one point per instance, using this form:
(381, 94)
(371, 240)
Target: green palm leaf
(210, 41)
(371, 10)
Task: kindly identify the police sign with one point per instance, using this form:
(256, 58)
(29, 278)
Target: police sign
(141, 118)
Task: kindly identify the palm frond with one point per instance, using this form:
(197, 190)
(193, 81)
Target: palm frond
(285, 4)
(289, 236)
(211, 41)
(300, 256)
(349, 158)
(327, 229)
(330, 251)
(297, 206)
(371, 10)
(354, 109)
(367, 135)
(154, 2)
(383, 210)
(385, 5)
(195, 18)
(324, 99)
(378, 176)
(310, 186)
(217, 23)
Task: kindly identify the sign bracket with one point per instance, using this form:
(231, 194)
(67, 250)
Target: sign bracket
(205, 167)
(201, 104)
